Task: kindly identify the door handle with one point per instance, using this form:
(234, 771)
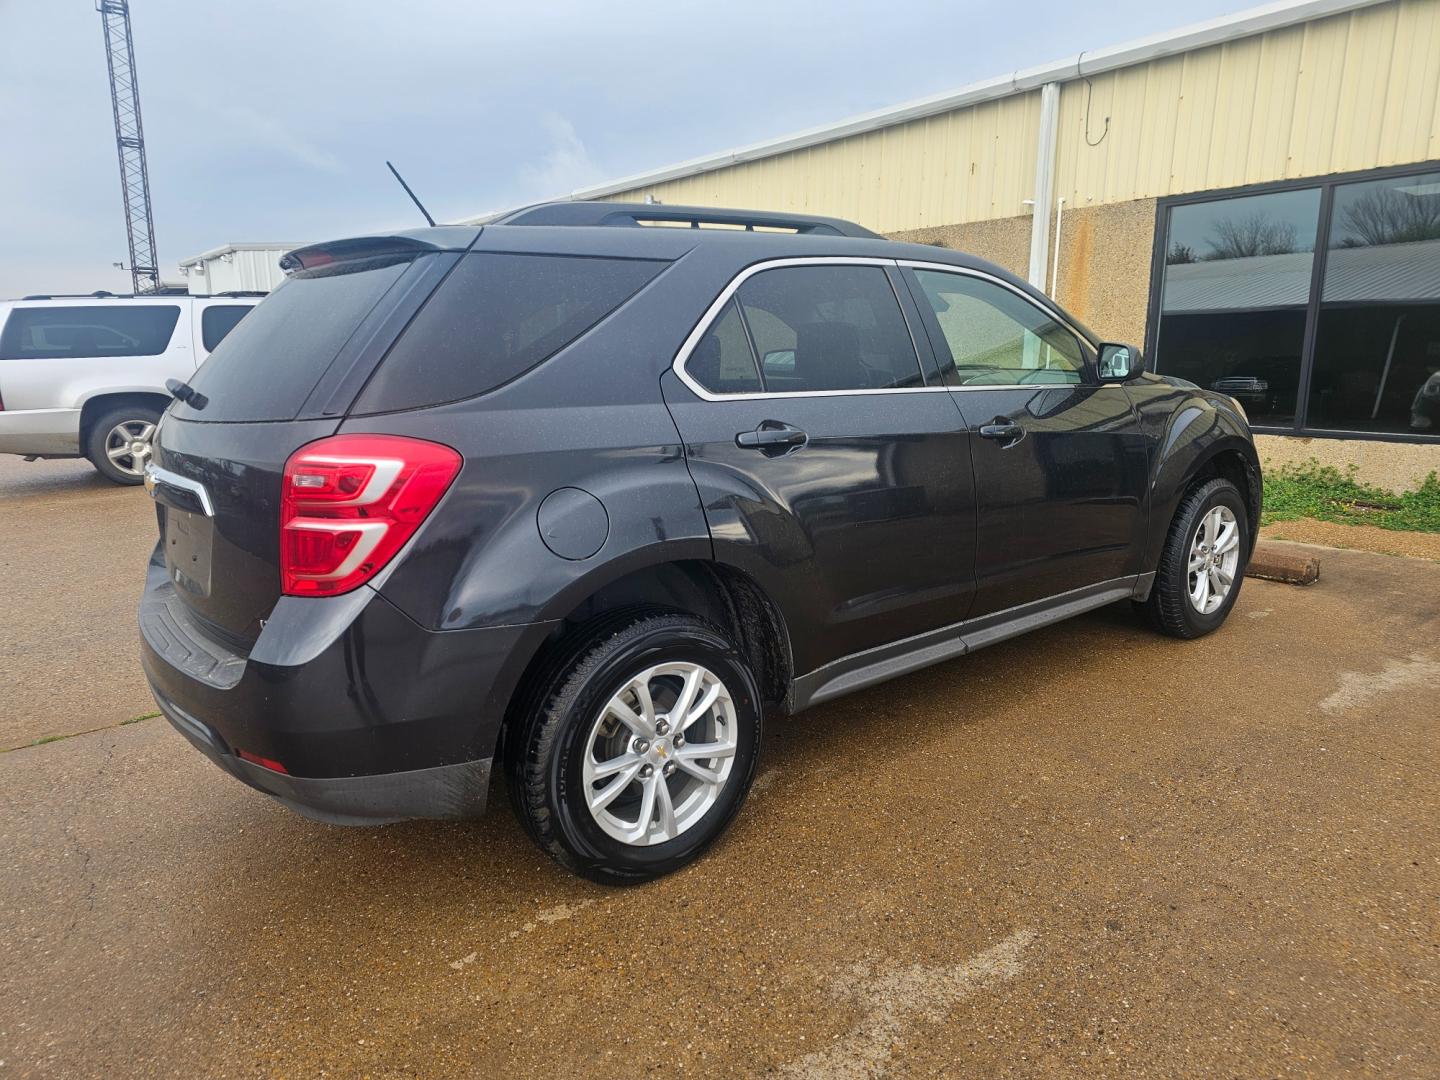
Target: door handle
(1003, 430)
(772, 437)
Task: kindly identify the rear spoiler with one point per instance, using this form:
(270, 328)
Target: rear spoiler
(444, 238)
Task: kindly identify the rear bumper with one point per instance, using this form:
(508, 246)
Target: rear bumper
(40, 431)
(373, 717)
(445, 791)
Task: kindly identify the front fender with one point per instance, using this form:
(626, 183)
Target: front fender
(1191, 435)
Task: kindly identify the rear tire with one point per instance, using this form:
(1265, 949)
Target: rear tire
(1181, 604)
(118, 444)
(615, 789)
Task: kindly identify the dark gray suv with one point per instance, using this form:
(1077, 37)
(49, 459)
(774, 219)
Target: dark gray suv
(589, 496)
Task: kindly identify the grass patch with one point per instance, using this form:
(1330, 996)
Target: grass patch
(1325, 493)
(137, 719)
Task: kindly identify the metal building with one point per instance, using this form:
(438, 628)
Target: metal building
(1256, 199)
(236, 268)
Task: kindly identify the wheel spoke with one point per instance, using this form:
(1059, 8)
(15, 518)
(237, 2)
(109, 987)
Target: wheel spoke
(1217, 588)
(599, 799)
(1224, 576)
(1201, 592)
(1197, 561)
(640, 725)
(666, 807)
(689, 765)
(599, 770)
(703, 706)
(146, 432)
(115, 453)
(647, 808)
(704, 751)
(681, 709)
(641, 687)
(1229, 540)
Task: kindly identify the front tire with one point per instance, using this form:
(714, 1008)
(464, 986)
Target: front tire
(641, 751)
(1203, 562)
(118, 444)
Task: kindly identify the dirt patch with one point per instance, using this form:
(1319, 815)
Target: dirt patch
(1416, 545)
(896, 999)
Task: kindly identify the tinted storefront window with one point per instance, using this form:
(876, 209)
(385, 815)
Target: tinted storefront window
(1377, 342)
(1239, 311)
(1234, 295)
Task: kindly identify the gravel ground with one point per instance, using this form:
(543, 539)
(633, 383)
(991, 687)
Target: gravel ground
(1090, 851)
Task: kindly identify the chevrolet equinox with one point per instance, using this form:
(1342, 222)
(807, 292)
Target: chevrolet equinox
(588, 493)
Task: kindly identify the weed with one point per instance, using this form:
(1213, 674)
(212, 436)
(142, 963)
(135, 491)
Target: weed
(1323, 492)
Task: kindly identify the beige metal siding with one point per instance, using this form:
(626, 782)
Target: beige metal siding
(1353, 91)
(969, 165)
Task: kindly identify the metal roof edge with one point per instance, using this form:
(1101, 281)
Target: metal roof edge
(1242, 24)
(225, 249)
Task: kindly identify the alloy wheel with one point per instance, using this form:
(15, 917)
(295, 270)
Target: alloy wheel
(659, 754)
(128, 446)
(1214, 559)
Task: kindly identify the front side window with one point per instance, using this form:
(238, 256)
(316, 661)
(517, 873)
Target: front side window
(995, 337)
(60, 333)
(1233, 299)
(1377, 341)
(825, 327)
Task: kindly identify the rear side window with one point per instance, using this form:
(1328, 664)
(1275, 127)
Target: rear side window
(496, 317)
(218, 320)
(267, 365)
(722, 361)
(819, 328)
(59, 333)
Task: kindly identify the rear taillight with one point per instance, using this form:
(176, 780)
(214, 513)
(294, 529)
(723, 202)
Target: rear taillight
(349, 504)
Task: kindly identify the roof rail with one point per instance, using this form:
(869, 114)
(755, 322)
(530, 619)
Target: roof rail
(164, 294)
(640, 214)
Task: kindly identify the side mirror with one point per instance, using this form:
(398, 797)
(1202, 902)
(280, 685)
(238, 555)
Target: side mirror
(780, 362)
(1118, 363)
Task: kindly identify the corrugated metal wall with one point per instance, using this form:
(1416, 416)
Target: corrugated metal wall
(1354, 91)
(969, 165)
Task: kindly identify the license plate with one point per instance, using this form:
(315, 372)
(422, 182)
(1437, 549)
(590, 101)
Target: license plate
(187, 550)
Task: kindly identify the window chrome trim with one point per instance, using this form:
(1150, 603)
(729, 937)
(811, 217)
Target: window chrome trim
(713, 312)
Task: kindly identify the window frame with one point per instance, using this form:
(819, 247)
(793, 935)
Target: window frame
(1326, 185)
(1088, 373)
(924, 361)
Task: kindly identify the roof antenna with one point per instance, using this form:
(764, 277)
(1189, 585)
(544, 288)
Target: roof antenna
(413, 199)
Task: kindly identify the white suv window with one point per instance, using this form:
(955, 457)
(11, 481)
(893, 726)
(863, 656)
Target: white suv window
(59, 333)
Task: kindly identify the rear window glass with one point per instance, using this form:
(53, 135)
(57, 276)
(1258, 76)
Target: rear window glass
(267, 366)
(496, 317)
(218, 320)
(59, 333)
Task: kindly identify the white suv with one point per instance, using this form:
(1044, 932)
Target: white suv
(84, 376)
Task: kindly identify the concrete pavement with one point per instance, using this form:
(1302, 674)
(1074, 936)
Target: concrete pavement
(1088, 851)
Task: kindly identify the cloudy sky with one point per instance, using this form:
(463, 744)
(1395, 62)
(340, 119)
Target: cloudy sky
(270, 120)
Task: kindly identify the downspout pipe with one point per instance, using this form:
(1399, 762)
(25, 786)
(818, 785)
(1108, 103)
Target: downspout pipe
(1048, 137)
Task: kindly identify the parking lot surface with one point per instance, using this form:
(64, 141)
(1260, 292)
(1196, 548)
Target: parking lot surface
(1086, 851)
